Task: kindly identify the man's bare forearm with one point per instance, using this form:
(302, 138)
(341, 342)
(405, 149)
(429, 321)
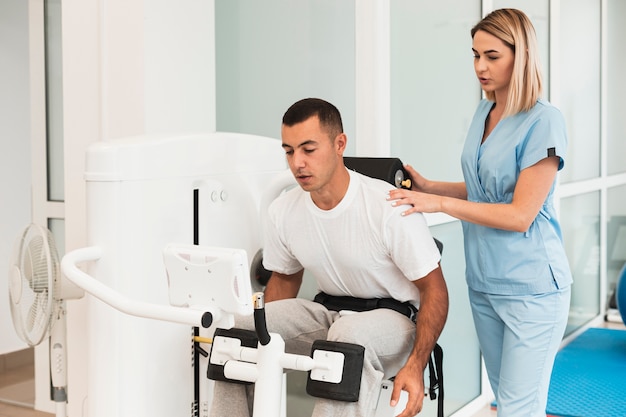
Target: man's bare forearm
(432, 315)
(281, 286)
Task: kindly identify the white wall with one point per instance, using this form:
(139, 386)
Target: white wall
(15, 161)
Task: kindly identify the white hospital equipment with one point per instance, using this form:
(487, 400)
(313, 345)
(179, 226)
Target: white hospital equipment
(163, 216)
(143, 194)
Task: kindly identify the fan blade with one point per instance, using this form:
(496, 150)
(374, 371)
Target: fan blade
(38, 320)
(39, 260)
(15, 285)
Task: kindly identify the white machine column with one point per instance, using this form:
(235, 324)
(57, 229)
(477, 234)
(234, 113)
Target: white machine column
(144, 193)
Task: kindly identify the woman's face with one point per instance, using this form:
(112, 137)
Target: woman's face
(493, 62)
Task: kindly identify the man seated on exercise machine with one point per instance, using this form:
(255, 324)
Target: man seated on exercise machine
(339, 226)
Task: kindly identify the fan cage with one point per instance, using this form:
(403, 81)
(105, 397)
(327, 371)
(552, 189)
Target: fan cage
(37, 261)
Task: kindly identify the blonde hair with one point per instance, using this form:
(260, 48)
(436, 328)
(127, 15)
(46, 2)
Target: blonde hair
(515, 29)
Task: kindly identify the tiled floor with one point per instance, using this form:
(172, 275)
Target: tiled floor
(17, 388)
(7, 410)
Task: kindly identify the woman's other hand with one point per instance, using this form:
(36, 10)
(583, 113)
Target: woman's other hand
(418, 182)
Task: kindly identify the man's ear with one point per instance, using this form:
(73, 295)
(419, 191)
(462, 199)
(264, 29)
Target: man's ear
(340, 143)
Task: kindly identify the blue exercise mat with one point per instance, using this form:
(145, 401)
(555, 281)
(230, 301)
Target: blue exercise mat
(589, 376)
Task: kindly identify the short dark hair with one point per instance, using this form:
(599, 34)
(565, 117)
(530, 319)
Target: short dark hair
(327, 113)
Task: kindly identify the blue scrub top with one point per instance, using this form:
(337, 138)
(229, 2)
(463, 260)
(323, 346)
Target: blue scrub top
(504, 262)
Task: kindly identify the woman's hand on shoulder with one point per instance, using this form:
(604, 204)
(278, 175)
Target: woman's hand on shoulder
(420, 202)
(426, 196)
(418, 196)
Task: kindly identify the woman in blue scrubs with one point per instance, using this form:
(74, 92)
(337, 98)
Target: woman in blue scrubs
(517, 271)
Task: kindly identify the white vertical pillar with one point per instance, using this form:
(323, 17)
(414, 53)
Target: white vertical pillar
(373, 92)
(179, 66)
(82, 125)
(604, 122)
(122, 68)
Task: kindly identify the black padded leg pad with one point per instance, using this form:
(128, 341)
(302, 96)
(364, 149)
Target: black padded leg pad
(248, 339)
(350, 385)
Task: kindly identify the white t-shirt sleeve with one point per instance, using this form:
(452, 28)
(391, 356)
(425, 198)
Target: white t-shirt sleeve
(411, 244)
(276, 255)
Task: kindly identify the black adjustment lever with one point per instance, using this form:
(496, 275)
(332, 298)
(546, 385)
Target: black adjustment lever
(260, 323)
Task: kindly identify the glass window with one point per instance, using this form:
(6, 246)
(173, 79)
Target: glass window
(458, 339)
(270, 54)
(54, 100)
(579, 77)
(580, 221)
(616, 235)
(434, 90)
(57, 228)
(616, 91)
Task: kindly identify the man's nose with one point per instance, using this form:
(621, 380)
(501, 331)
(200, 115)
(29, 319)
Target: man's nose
(298, 159)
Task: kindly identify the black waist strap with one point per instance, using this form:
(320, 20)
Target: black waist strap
(338, 303)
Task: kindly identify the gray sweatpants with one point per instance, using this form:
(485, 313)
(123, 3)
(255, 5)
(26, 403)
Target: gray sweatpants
(386, 335)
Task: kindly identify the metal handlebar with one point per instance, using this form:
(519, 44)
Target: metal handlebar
(198, 318)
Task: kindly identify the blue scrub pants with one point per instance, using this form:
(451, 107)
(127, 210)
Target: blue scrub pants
(519, 337)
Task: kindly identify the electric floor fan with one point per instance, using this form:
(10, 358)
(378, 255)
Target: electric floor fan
(37, 309)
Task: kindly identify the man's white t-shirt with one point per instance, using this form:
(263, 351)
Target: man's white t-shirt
(362, 248)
